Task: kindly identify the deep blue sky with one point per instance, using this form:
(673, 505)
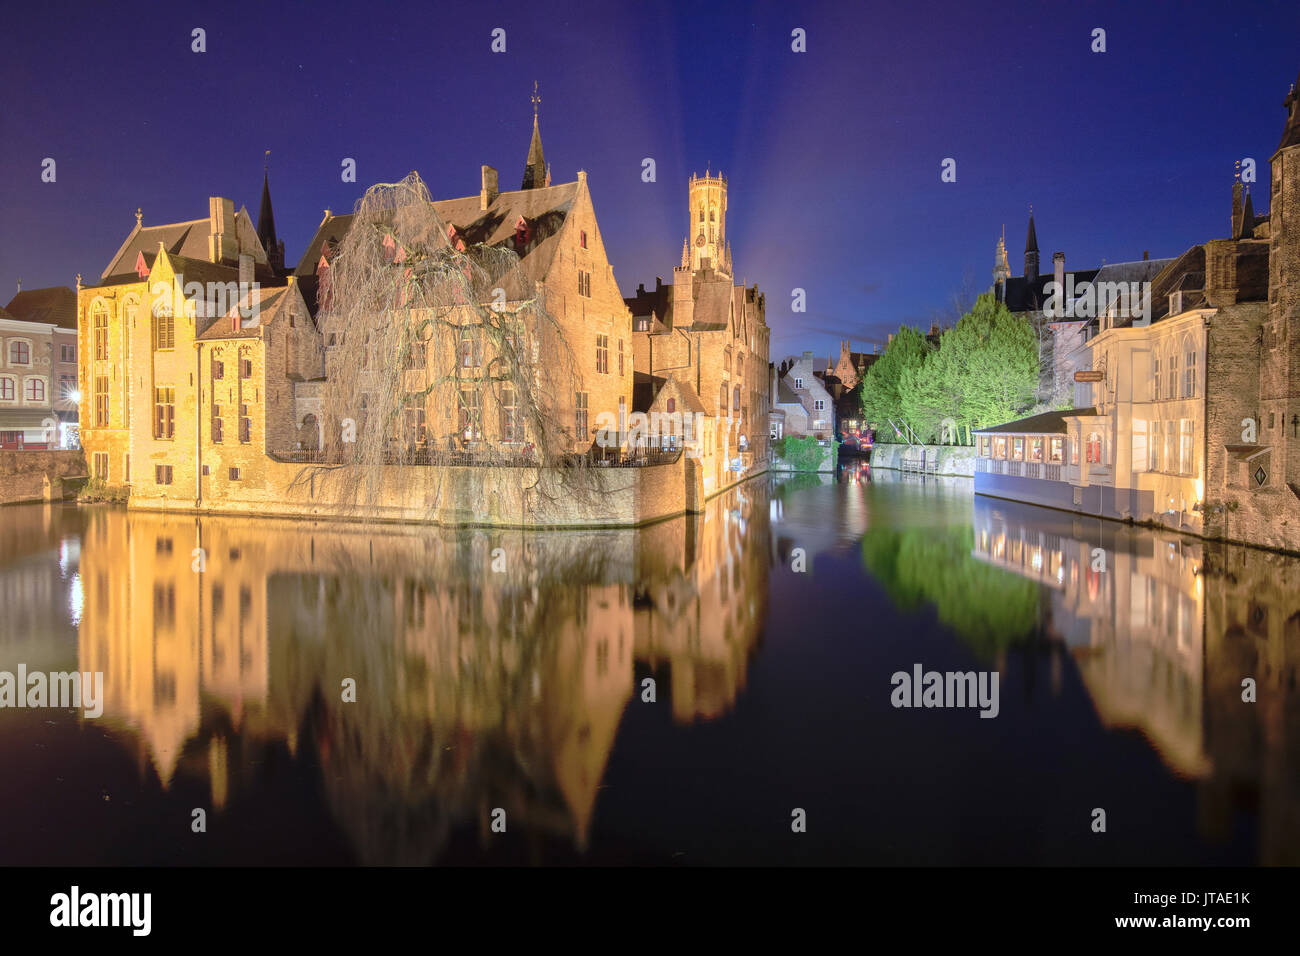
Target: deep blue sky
(833, 155)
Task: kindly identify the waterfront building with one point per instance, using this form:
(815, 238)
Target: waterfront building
(806, 406)
(38, 369)
(193, 352)
(554, 231)
(711, 334)
(1193, 414)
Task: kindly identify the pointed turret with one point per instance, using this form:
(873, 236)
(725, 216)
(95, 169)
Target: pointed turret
(536, 174)
(686, 253)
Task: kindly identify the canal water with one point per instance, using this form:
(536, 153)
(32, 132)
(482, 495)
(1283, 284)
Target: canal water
(679, 694)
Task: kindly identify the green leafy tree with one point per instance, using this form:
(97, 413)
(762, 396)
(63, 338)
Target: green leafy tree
(992, 365)
(881, 398)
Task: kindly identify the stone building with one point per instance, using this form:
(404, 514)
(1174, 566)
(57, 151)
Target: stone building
(193, 349)
(1195, 412)
(38, 369)
(711, 335)
(554, 231)
(1064, 307)
(800, 380)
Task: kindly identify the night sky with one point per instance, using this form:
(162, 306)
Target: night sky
(833, 155)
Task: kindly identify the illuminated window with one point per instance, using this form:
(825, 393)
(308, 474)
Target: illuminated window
(99, 325)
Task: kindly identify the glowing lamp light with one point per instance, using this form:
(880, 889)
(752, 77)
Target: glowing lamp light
(75, 396)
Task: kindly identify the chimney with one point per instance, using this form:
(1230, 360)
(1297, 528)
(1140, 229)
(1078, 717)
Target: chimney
(1058, 273)
(245, 288)
(489, 192)
(1146, 255)
(223, 244)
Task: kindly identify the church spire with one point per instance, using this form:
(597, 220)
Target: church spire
(536, 175)
(1031, 250)
(266, 221)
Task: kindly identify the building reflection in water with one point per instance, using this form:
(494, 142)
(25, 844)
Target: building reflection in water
(1163, 630)
(492, 668)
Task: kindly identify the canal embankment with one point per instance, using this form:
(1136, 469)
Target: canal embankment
(40, 475)
(955, 461)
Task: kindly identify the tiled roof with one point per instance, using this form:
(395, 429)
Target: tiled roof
(188, 239)
(268, 302)
(545, 209)
(56, 305)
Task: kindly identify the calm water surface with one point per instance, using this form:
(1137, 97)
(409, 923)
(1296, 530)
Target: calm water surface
(507, 670)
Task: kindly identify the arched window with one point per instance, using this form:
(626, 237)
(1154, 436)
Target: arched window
(1171, 376)
(672, 405)
(8, 392)
(1155, 378)
(712, 217)
(20, 353)
(1189, 368)
(35, 391)
(99, 330)
(701, 214)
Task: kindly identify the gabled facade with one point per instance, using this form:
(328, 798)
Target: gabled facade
(192, 351)
(554, 231)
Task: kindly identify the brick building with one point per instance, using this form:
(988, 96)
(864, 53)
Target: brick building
(711, 336)
(799, 381)
(562, 262)
(38, 369)
(193, 351)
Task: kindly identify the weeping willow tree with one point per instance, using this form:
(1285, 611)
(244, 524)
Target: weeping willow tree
(441, 352)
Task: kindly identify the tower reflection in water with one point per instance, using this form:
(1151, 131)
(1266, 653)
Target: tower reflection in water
(492, 669)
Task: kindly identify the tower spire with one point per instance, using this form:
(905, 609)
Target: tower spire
(266, 220)
(1031, 249)
(536, 175)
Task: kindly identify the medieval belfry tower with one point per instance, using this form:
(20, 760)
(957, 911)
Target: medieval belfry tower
(706, 245)
(1280, 371)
